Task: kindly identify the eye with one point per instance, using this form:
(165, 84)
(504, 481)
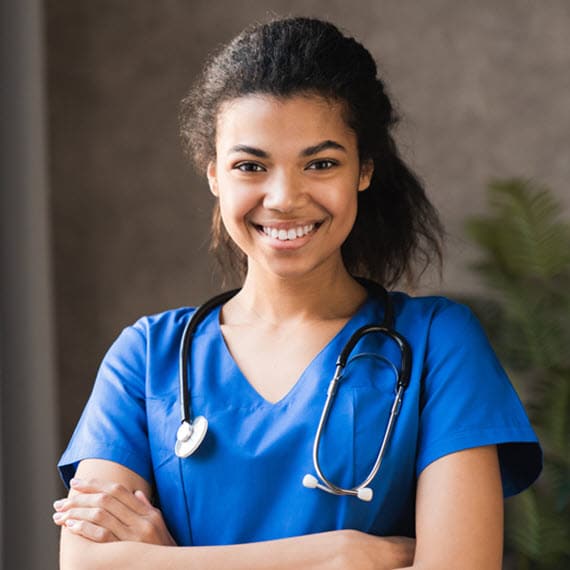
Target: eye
(249, 167)
(324, 164)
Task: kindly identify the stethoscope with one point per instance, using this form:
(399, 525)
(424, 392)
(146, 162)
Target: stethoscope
(191, 433)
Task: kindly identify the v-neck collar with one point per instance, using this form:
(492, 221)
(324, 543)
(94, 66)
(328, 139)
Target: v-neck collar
(308, 376)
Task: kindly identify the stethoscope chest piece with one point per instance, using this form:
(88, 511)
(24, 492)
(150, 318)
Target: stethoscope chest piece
(189, 436)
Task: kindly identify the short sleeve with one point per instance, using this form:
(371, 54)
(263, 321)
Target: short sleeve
(113, 424)
(468, 401)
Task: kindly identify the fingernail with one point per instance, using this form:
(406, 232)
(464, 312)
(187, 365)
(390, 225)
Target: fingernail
(57, 516)
(69, 522)
(58, 504)
(74, 482)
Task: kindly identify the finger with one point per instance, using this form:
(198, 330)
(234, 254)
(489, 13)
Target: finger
(59, 503)
(143, 498)
(90, 531)
(118, 491)
(97, 517)
(103, 503)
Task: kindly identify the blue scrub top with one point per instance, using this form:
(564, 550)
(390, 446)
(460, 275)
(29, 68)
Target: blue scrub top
(244, 483)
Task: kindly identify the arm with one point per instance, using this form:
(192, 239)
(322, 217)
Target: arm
(324, 551)
(102, 550)
(114, 506)
(459, 525)
(459, 512)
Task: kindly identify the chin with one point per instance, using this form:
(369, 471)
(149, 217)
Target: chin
(301, 268)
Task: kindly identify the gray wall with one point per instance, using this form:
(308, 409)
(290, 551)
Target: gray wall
(27, 364)
(483, 86)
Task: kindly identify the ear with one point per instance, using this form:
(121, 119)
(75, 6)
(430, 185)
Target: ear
(212, 178)
(366, 172)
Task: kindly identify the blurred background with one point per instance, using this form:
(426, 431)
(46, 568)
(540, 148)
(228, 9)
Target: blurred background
(102, 218)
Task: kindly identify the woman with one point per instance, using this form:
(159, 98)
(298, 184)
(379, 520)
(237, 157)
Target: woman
(292, 127)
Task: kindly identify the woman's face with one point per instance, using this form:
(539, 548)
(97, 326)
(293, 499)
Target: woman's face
(287, 174)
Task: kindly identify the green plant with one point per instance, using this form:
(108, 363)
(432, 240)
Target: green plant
(525, 263)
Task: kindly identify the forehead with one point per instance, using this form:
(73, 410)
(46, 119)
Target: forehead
(265, 120)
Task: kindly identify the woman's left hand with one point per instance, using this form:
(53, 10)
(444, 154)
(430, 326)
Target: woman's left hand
(103, 511)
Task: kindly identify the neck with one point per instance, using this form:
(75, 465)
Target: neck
(327, 293)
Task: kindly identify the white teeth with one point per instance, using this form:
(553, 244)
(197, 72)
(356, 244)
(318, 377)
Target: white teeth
(290, 234)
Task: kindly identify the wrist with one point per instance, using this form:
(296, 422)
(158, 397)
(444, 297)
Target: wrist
(341, 548)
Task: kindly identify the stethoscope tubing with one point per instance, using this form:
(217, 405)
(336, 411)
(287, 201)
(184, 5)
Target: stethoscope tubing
(184, 355)
(403, 379)
(329, 486)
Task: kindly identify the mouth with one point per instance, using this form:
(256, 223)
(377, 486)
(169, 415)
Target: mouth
(289, 233)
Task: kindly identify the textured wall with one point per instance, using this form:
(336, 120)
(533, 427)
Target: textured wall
(28, 439)
(483, 87)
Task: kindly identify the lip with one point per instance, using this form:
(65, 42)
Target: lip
(286, 224)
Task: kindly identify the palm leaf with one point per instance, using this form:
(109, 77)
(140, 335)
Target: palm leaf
(526, 236)
(525, 262)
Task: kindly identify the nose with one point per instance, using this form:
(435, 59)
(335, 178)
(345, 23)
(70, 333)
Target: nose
(284, 192)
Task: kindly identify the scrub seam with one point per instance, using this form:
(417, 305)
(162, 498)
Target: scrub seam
(186, 507)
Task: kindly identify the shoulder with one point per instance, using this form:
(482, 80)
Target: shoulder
(170, 319)
(433, 313)
(440, 330)
(159, 328)
(143, 359)
(148, 336)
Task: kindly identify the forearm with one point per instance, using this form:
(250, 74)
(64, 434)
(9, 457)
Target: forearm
(312, 551)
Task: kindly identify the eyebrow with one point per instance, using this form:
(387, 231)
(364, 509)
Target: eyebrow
(309, 151)
(325, 145)
(249, 150)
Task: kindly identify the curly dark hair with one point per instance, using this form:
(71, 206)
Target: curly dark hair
(397, 232)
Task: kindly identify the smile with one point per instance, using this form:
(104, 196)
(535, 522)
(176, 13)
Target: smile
(289, 234)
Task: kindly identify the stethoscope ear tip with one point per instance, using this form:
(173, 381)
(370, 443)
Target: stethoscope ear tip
(365, 494)
(310, 481)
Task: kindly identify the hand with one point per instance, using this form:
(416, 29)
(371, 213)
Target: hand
(362, 551)
(103, 511)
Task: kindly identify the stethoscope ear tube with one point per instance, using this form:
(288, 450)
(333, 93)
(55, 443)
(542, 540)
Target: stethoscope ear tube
(191, 433)
(406, 353)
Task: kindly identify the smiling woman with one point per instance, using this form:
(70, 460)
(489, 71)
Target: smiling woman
(287, 173)
(292, 127)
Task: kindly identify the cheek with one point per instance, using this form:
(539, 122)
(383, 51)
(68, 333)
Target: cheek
(234, 208)
(346, 211)
(344, 205)
(228, 215)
